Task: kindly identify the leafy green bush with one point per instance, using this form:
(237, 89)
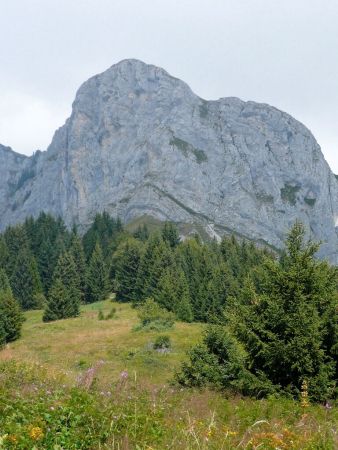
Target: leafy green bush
(221, 361)
(162, 342)
(100, 315)
(153, 317)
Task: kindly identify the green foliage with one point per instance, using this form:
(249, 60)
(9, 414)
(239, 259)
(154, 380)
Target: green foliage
(284, 328)
(11, 318)
(105, 231)
(97, 277)
(100, 315)
(162, 342)
(142, 233)
(25, 279)
(64, 296)
(170, 234)
(125, 264)
(77, 252)
(153, 317)
(289, 192)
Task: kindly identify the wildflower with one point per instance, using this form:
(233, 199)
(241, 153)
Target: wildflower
(36, 433)
(304, 395)
(124, 375)
(12, 438)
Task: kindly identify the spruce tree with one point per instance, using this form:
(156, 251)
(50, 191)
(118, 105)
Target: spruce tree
(66, 272)
(4, 253)
(285, 326)
(125, 265)
(170, 234)
(77, 252)
(59, 303)
(97, 277)
(11, 316)
(25, 280)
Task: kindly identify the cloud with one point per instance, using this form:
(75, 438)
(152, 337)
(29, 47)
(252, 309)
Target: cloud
(27, 123)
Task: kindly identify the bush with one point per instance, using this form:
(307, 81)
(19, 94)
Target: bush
(111, 315)
(153, 317)
(100, 315)
(162, 342)
(220, 361)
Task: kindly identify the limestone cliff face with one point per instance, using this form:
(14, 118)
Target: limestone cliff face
(139, 142)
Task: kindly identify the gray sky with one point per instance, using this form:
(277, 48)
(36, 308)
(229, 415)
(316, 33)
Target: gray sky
(284, 53)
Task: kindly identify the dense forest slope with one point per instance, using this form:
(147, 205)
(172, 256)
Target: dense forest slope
(140, 142)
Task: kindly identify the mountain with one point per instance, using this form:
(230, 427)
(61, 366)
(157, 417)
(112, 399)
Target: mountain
(140, 142)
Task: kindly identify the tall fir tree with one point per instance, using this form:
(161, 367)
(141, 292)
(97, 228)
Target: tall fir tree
(170, 234)
(60, 305)
(125, 265)
(77, 252)
(25, 280)
(97, 277)
(284, 327)
(66, 273)
(10, 313)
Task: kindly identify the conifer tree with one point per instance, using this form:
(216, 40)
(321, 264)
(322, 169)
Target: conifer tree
(97, 277)
(142, 233)
(156, 258)
(10, 312)
(59, 303)
(170, 234)
(25, 280)
(284, 327)
(66, 273)
(77, 252)
(125, 265)
(4, 253)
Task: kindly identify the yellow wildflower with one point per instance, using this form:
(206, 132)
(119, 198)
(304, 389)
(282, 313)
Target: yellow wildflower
(36, 433)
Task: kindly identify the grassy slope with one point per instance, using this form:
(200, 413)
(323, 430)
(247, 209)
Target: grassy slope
(73, 345)
(138, 413)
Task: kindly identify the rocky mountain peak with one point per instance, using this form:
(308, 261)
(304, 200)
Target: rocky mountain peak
(140, 142)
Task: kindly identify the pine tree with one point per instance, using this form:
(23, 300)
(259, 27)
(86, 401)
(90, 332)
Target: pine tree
(97, 277)
(77, 252)
(25, 280)
(170, 234)
(172, 293)
(66, 272)
(125, 265)
(142, 233)
(11, 316)
(4, 253)
(284, 327)
(60, 304)
(156, 258)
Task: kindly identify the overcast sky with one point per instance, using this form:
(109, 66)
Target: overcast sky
(281, 52)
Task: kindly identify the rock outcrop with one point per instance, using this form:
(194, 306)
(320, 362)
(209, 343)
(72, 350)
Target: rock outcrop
(140, 142)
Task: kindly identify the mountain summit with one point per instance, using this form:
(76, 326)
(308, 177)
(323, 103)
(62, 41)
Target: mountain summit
(140, 142)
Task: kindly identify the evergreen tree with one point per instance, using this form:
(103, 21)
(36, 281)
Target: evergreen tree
(142, 233)
(125, 265)
(170, 234)
(172, 292)
(77, 252)
(11, 316)
(4, 253)
(60, 305)
(284, 327)
(97, 277)
(66, 273)
(156, 258)
(25, 280)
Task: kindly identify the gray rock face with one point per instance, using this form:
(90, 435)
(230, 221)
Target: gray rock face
(139, 142)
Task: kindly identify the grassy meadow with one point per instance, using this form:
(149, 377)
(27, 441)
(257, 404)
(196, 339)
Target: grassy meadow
(86, 383)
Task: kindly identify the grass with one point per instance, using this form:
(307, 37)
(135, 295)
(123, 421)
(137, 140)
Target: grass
(86, 383)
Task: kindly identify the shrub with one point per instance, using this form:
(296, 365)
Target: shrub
(111, 315)
(220, 361)
(100, 315)
(153, 317)
(162, 342)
